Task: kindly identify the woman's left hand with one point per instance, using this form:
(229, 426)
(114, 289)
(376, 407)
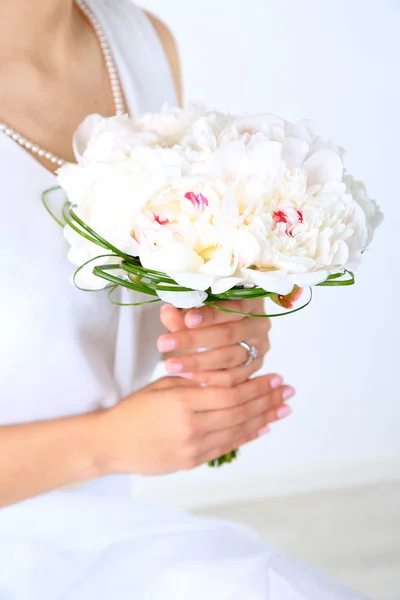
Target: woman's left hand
(224, 361)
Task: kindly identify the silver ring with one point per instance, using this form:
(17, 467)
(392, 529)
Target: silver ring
(252, 352)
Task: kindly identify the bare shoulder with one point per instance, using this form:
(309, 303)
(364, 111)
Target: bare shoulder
(171, 51)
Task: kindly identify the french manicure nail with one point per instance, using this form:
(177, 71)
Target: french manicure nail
(288, 393)
(275, 381)
(283, 412)
(166, 344)
(264, 430)
(187, 375)
(194, 319)
(174, 368)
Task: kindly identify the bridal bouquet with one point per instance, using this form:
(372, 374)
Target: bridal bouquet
(194, 206)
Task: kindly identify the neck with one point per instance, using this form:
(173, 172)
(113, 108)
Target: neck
(29, 28)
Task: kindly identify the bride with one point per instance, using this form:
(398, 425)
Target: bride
(77, 413)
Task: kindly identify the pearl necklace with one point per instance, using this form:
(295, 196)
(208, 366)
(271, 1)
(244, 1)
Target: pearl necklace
(115, 88)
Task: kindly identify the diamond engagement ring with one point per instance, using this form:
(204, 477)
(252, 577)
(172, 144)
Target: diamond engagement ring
(252, 352)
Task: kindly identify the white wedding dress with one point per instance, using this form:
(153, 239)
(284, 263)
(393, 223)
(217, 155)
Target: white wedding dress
(65, 352)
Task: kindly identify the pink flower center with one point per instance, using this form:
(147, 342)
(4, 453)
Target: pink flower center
(280, 216)
(290, 218)
(198, 200)
(158, 219)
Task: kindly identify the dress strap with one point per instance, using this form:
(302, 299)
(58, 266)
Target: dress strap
(144, 68)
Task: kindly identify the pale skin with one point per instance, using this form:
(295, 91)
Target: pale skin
(51, 76)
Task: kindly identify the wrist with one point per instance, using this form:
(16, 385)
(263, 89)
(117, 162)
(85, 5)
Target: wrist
(104, 454)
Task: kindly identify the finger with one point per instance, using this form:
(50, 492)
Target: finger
(226, 378)
(228, 357)
(228, 418)
(216, 398)
(172, 318)
(215, 452)
(230, 437)
(270, 416)
(166, 383)
(256, 426)
(277, 414)
(209, 315)
(224, 334)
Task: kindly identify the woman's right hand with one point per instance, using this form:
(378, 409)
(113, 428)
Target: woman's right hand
(175, 424)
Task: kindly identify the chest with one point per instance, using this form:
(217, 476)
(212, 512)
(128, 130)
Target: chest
(46, 102)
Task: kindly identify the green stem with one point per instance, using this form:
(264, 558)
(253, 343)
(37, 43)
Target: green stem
(226, 458)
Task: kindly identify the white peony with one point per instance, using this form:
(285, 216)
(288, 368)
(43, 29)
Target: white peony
(216, 201)
(170, 125)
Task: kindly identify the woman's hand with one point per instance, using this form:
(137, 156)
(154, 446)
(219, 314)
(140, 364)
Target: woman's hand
(223, 363)
(175, 424)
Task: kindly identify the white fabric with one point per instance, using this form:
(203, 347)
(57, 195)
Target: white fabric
(65, 352)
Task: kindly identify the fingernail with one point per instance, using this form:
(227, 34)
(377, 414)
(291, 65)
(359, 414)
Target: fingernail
(283, 412)
(187, 375)
(264, 430)
(288, 393)
(174, 368)
(275, 381)
(166, 344)
(194, 319)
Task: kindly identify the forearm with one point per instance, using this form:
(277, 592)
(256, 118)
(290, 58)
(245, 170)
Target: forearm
(39, 457)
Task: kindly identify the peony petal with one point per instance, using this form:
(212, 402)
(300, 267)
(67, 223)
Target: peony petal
(323, 166)
(341, 253)
(271, 281)
(225, 283)
(309, 279)
(73, 179)
(247, 248)
(183, 299)
(221, 264)
(269, 124)
(371, 209)
(229, 161)
(174, 258)
(84, 133)
(193, 281)
(229, 205)
(304, 130)
(294, 152)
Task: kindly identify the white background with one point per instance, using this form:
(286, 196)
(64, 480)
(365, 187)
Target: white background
(337, 62)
